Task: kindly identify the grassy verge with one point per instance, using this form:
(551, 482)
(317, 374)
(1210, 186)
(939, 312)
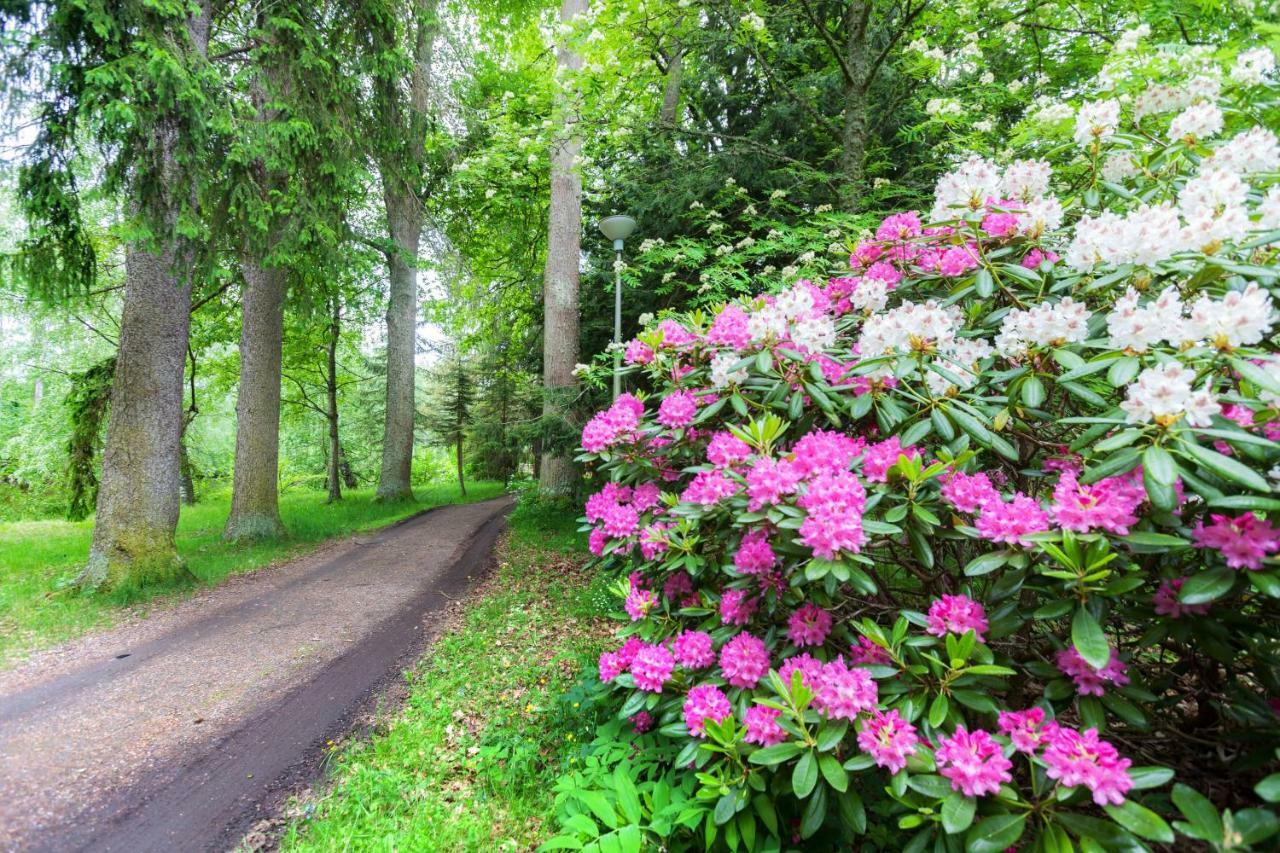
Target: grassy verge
(491, 719)
(37, 558)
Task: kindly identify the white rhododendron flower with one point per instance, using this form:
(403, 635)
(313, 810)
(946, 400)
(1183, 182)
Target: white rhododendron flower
(912, 326)
(1164, 394)
(1097, 121)
(1197, 123)
(1046, 324)
(969, 185)
(1137, 329)
(1241, 318)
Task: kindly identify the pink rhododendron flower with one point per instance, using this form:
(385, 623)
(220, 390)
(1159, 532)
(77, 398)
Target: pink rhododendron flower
(596, 540)
(888, 739)
(1027, 730)
(973, 762)
(744, 660)
(843, 693)
(1244, 541)
(834, 503)
(737, 606)
(677, 409)
(615, 424)
(1109, 504)
(610, 496)
(1000, 224)
(709, 488)
(639, 602)
(754, 556)
(641, 722)
(645, 496)
(620, 520)
(1167, 603)
(899, 226)
(653, 540)
(705, 702)
(675, 335)
(885, 272)
(652, 668)
(693, 649)
(638, 352)
(824, 451)
(677, 585)
(882, 456)
(809, 667)
(768, 480)
(729, 328)
(957, 261)
(726, 449)
(1090, 681)
(1013, 521)
(865, 652)
(1036, 258)
(1081, 758)
(809, 625)
(957, 614)
(611, 666)
(762, 726)
(969, 492)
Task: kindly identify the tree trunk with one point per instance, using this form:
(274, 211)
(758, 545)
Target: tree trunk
(560, 281)
(462, 486)
(255, 504)
(138, 501)
(670, 112)
(336, 460)
(853, 141)
(404, 220)
(344, 467)
(186, 474)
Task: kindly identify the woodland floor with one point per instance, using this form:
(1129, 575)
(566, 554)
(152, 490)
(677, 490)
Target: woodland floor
(171, 733)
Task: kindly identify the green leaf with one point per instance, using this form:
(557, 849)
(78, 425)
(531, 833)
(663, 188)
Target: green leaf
(957, 812)
(1088, 638)
(1198, 811)
(1159, 462)
(1269, 788)
(1207, 586)
(776, 754)
(834, 774)
(805, 775)
(1140, 820)
(1245, 502)
(1033, 392)
(995, 833)
(1149, 777)
(1256, 375)
(628, 798)
(938, 710)
(726, 808)
(1226, 467)
(985, 563)
(929, 784)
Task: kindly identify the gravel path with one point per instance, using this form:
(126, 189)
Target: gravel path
(169, 733)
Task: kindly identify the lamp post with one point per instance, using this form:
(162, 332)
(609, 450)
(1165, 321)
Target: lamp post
(617, 229)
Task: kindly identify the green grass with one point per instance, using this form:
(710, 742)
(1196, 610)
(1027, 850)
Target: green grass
(37, 558)
(492, 719)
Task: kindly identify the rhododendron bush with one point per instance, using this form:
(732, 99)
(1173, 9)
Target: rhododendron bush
(973, 545)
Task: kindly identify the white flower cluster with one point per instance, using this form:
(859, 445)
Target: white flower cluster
(1046, 324)
(1160, 98)
(1164, 394)
(1129, 39)
(1240, 318)
(1196, 123)
(1097, 121)
(1213, 203)
(960, 360)
(1137, 329)
(911, 327)
(1146, 235)
(723, 373)
(1253, 66)
(1255, 150)
(870, 294)
(1119, 167)
(1026, 180)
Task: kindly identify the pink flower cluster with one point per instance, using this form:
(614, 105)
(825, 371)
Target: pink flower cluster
(957, 614)
(705, 702)
(1110, 504)
(1072, 757)
(834, 503)
(1167, 603)
(754, 555)
(737, 606)
(842, 693)
(694, 649)
(969, 492)
(762, 726)
(1244, 541)
(973, 762)
(768, 481)
(614, 425)
(1012, 521)
(727, 449)
(709, 488)
(677, 409)
(888, 739)
(744, 660)
(882, 456)
(1090, 681)
(808, 625)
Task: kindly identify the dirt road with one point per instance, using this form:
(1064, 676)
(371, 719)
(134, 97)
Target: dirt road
(170, 734)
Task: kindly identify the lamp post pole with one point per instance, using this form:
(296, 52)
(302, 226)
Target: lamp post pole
(617, 318)
(617, 229)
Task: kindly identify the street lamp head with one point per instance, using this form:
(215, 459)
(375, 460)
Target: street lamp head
(617, 229)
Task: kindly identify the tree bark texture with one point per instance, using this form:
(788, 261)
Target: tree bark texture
(139, 497)
(255, 504)
(560, 281)
(853, 142)
(669, 115)
(404, 219)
